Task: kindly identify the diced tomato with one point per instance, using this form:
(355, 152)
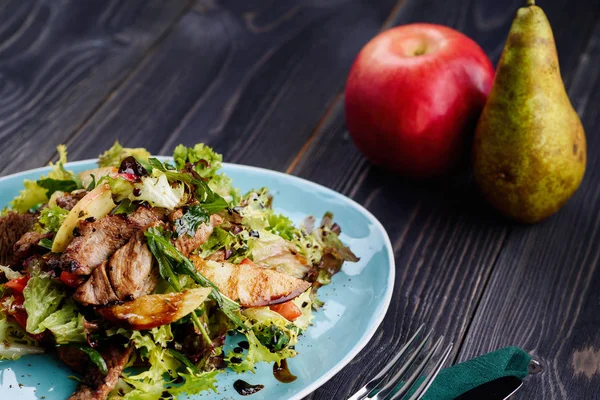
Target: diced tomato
(248, 261)
(70, 279)
(287, 310)
(17, 285)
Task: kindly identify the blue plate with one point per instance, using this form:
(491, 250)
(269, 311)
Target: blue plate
(356, 301)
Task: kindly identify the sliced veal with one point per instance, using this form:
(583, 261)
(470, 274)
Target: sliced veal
(128, 275)
(98, 240)
(249, 284)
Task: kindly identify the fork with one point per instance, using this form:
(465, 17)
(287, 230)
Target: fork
(389, 384)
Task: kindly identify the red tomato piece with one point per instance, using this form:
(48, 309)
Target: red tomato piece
(17, 285)
(287, 310)
(70, 279)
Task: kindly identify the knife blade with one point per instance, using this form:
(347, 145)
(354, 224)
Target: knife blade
(498, 389)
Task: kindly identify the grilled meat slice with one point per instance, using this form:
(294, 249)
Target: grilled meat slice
(130, 269)
(152, 310)
(68, 200)
(97, 386)
(98, 240)
(27, 246)
(186, 243)
(12, 227)
(251, 285)
(129, 274)
(97, 290)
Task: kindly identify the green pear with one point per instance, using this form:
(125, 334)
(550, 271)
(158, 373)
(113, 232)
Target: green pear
(529, 151)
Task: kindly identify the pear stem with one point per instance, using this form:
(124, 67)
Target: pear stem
(530, 3)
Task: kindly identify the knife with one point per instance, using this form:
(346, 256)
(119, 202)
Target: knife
(498, 389)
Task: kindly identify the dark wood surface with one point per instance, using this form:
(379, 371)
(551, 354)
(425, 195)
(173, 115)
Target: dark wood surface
(262, 81)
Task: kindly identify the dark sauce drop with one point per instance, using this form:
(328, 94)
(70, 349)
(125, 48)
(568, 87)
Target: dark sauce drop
(246, 389)
(131, 166)
(244, 344)
(282, 372)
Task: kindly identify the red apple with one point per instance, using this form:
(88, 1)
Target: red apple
(413, 96)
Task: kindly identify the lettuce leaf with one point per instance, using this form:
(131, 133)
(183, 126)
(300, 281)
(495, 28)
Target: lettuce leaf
(66, 324)
(257, 352)
(282, 226)
(195, 382)
(158, 192)
(150, 383)
(206, 161)
(223, 186)
(52, 217)
(33, 194)
(270, 336)
(42, 298)
(14, 341)
(117, 153)
(191, 221)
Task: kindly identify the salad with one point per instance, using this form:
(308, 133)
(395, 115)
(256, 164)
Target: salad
(134, 274)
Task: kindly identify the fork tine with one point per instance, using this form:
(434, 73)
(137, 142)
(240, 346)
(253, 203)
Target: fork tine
(395, 379)
(366, 389)
(424, 386)
(407, 384)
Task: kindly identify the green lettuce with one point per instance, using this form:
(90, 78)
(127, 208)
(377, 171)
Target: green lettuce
(52, 217)
(221, 239)
(149, 384)
(223, 186)
(158, 192)
(207, 161)
(155, 189)
(31, 196)
(117, 153)
(34, 194)
(66, 324)
(195, 382)
(14, 341)
(43, 296)
(271, 338)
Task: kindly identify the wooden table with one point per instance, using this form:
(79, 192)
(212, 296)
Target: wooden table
(262, 81)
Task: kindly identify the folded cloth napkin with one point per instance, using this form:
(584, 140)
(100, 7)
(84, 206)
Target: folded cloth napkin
(458, 379)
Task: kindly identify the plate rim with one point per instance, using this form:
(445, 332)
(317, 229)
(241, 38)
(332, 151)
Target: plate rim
(382, 307)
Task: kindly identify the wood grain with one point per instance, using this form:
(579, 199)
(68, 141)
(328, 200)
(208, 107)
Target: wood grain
(252, 80)
(262, 82)
(441, 228)
(59, 60)
(543, 294)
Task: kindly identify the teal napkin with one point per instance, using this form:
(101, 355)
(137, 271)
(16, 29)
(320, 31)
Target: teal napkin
(458, 379)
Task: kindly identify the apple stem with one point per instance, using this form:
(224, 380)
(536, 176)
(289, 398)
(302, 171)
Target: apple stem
(530, 3)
